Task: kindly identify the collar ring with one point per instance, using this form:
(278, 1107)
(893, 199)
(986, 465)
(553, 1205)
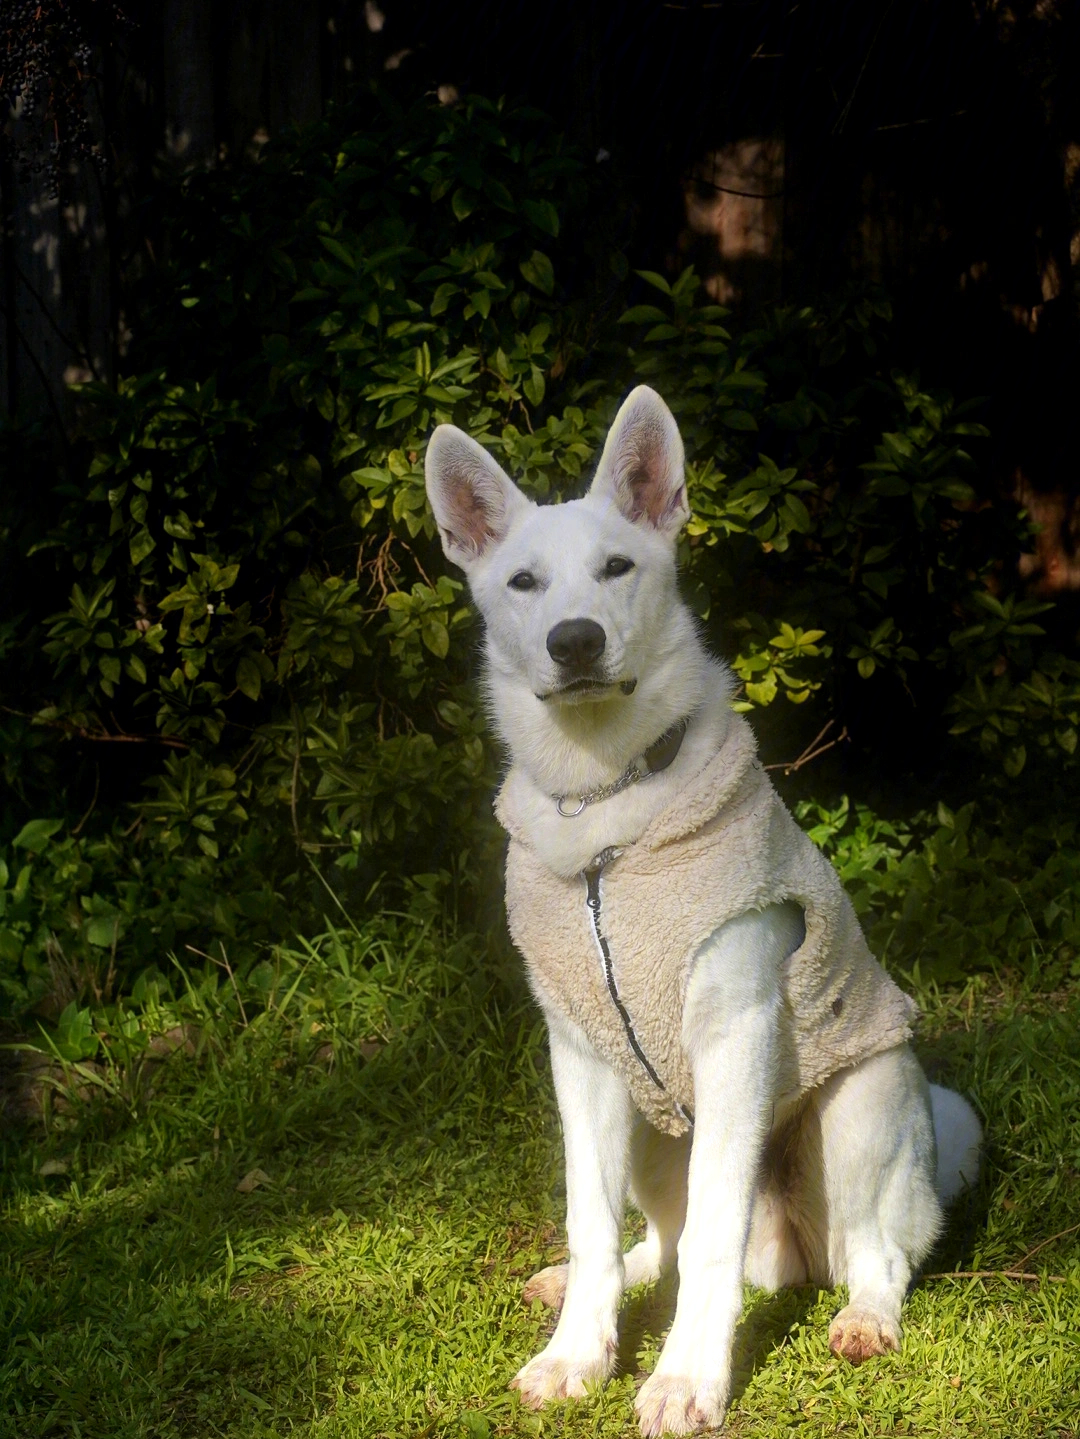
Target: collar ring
(656, 758)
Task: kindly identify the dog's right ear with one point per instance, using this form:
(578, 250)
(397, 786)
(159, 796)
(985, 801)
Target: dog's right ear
(473, 502)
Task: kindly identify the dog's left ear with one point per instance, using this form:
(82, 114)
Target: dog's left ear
(641, 468)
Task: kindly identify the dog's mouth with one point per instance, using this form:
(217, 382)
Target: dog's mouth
(586, 687)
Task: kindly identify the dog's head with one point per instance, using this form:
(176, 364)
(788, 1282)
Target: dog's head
(573, 595)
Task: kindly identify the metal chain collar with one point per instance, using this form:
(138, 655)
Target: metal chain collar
(631, 776)
(639, 768)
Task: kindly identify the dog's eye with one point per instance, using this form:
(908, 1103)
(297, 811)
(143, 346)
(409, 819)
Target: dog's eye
(523, 580)
(616, 566)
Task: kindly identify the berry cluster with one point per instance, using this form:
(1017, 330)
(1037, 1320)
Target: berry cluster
(51, 52)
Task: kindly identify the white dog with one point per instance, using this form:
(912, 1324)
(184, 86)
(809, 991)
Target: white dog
(612, 711)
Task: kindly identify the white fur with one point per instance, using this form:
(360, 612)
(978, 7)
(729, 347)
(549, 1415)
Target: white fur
(845, 1187)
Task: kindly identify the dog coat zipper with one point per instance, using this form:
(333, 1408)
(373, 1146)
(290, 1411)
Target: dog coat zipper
(593, 903)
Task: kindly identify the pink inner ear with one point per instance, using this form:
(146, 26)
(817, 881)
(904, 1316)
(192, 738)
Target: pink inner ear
(472, 520)
(650, 499)
(638, 486)
(648, 496)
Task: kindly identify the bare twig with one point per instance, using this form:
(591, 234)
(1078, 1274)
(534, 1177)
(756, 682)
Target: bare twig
(247, 759)
(295, 779)
(841, 122)
(93, 802)
(412, 555)
(103, 736)
(926, 120)
(1061, 1234)
(812, 750)
(224, 964)
(730, 189)
(383, 568)
(996, 1274)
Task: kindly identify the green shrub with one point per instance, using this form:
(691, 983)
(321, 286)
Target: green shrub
(949, 894)
(233, 607)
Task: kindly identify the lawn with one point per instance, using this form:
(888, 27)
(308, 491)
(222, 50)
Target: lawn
(300, 1229)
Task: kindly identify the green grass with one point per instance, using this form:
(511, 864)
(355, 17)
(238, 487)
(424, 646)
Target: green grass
(370, 1284)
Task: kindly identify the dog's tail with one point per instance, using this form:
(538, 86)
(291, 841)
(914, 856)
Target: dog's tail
(959, 1138)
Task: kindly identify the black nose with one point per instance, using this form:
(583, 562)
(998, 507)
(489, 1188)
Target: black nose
(576, 643)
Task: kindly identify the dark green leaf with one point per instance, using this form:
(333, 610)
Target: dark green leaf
(36, 833)
(463, 203)
(543, 215)
(538, 270)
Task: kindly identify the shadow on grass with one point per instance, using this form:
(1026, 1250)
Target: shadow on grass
(145, 1290)
(647, 1316)
(643, 1320)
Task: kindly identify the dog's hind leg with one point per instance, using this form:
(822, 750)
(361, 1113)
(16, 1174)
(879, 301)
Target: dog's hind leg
(658, 1174)
(773, 1257)
(878, 1176)
(548, 1285)
(658, 1165)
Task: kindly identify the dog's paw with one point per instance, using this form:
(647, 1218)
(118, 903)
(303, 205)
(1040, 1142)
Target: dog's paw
(858, 1333)
(673, 1404)
(549, 1286)
(551, 1377)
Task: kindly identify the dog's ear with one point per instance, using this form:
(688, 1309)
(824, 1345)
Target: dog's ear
(474, 503)
(641, 468)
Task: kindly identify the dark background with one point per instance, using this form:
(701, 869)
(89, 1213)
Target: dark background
(931, 147)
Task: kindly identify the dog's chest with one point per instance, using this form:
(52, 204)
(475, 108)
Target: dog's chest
(591, 957)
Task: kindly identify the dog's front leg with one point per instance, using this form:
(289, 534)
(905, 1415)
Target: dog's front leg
(597, 1115)
(729, 1031)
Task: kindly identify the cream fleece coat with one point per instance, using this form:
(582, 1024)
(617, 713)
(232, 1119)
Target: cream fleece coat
(727, 846)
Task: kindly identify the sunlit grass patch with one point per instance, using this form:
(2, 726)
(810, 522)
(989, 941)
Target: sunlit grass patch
(279, 1240)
